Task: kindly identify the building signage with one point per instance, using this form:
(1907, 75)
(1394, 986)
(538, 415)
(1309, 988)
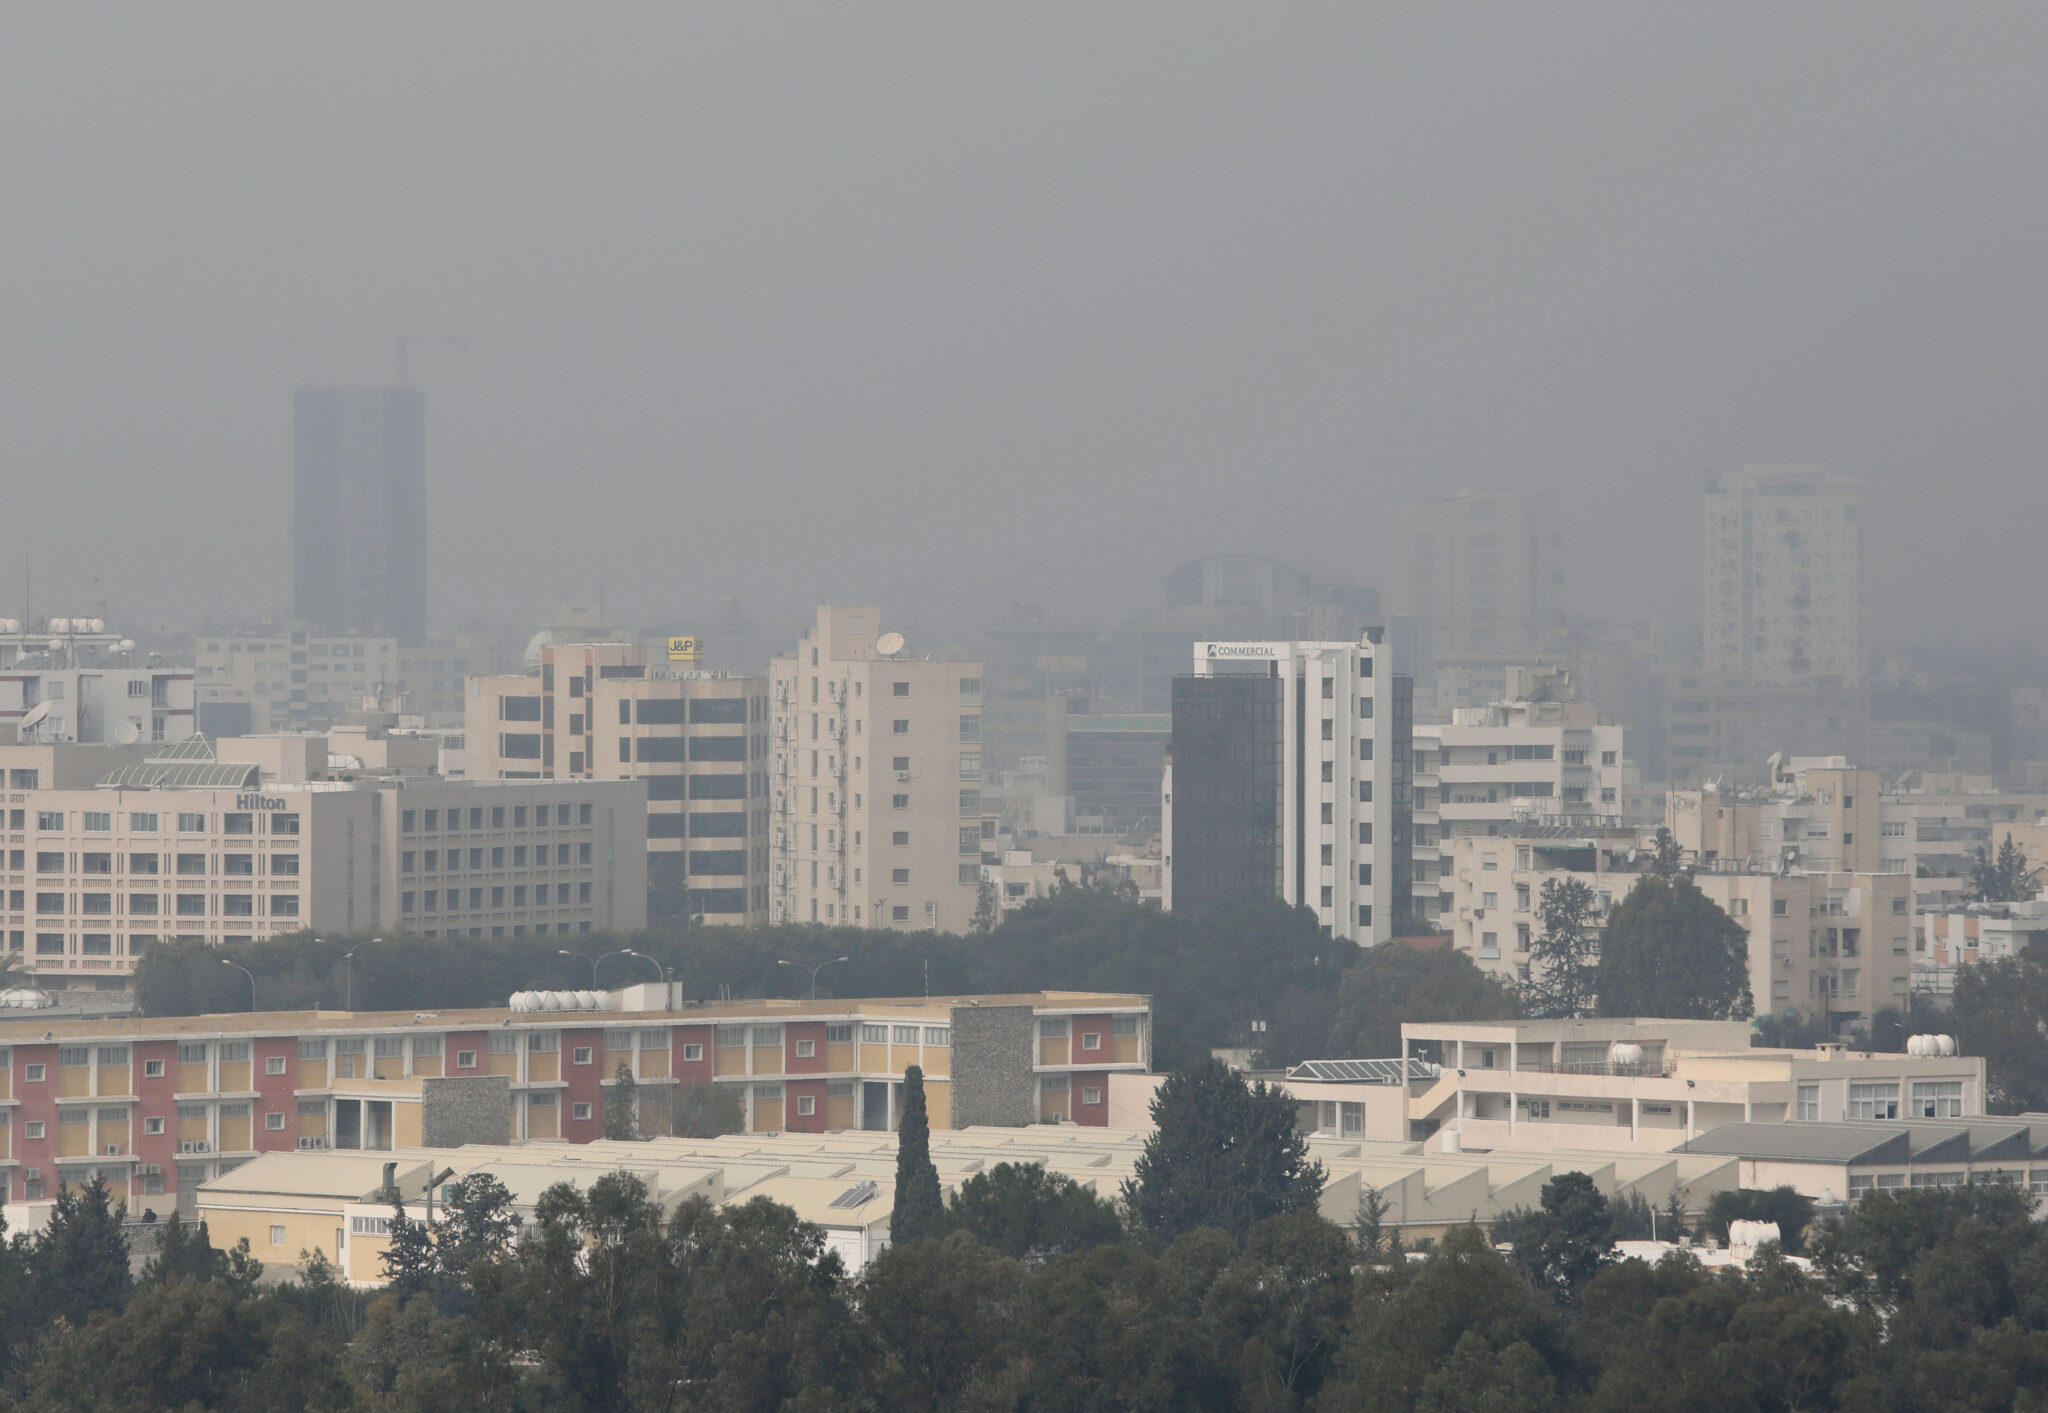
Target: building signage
(259, 802)
(685, 649)
(1267, 651)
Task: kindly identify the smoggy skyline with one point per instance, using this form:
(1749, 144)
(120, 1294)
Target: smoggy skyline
(949, 310)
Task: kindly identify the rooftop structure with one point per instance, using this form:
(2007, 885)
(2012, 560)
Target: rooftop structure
(1844, 1160)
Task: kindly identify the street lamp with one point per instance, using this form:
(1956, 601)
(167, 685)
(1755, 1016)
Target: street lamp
(348, 976)
(246, 972)
(622, 952)
(812, 970)
(585, 957)
(660, 972)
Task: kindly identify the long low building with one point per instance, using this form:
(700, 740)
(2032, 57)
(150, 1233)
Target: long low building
(157, 1106)
(1838, 1161)
(844, 1183)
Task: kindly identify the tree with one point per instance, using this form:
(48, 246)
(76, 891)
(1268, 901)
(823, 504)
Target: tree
(1369, 1225)
(920, 1206)
(2004, 877)
(944, 1314)
(1668, 950)
(1224, 1153)
(478, 1226)
(1389, 985)
(80, 1260)
(2000, 1011)
(705, 1111)
(409, 1259)
(984, 906)
(1562, 1245)
(1027, 1213)
(1782, 1204)
(182, 1253)
(622, 1106)
(1665, 861)
(1562, 961)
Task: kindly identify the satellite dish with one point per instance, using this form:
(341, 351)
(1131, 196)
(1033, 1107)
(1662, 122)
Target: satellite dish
(889, 644)
(127, 732)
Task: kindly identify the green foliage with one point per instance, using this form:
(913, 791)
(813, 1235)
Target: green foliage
(1562, 965)
(1668, 950)
(80, 1260)
(944, 1314)
(622, 1105)
(1784, 1205)
(2000, 1011)
(1394, 984)
(1027, 1213)
(920, 1206)
(705, 1111)
(985, 907)
(477, 1224)
(2004, 877)
(1562, 1244)
(1665, 861)
(1225, 1154)
(409, 1259)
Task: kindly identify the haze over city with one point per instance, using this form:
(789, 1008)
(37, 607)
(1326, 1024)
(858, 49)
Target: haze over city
(947, 309)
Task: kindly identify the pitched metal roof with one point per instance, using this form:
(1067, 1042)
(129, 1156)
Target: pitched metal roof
(1864, 1141)
(184, 775)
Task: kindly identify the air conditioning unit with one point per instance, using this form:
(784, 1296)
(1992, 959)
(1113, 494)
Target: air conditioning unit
(113, 1150)
(902, 777)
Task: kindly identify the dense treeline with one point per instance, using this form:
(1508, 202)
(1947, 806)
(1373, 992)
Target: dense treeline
(1032, 1293)
(1209, 977)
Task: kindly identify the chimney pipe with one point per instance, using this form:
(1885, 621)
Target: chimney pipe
(391, 1182)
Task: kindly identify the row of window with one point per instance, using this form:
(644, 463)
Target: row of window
(148, 822)
(430, 900)
(431, 820)
(187, 865)
(431, 860)
(150, 904)
(1931, 1099)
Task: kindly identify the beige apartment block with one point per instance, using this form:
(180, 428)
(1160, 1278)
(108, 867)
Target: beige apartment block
(296, 679)
(875, 780)
(1837, 944)
(696, 739)
(1783, 547)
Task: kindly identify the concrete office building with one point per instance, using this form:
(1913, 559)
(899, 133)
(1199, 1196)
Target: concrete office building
(185, 844)
(359, 511)
(53, 698)
(1834, 1161)
(875, 780)
(1784, 577)
(697, 739)
(1288, 777)
(297, 679)
(1538, 755)
(156, 1106)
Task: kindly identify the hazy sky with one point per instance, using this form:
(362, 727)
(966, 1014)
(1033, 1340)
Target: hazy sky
(957, 305)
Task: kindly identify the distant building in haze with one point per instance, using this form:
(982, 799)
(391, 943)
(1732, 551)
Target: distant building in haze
(1477, 577)
(359, 511)
(1784, 577)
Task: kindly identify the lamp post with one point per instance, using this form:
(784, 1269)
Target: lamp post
(605, 957)
(246, 972)
(799, 966)
(592, 960)
(348, 979)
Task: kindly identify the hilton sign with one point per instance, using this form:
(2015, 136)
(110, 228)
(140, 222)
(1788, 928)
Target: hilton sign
(259, 802)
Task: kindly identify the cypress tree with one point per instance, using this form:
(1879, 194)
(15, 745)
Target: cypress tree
(919, 1210)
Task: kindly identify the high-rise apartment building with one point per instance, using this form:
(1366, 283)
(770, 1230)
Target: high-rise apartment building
(1784, 577)
(1288, 777)
(875, 780)
(359, 511)
(1480, 574)
(602, 711)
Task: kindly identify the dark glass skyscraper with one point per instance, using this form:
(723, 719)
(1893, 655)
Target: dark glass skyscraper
(359, 511)
(1228, 797)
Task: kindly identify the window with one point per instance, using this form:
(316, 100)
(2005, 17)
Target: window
(838, 1034)
(1873, 1101)
(32, 1129)
(938, 1035)
(238, 823)
(273, 1064)
(152, 1069)
(905, 1035)
(504, 1043)
(731, 1037)
(806, 1049)
(874, 1034)
(51, 819)
(579, 1110)
(1091, 1096)
(274, 1122)
(1938, 1099)
(692, 1054)
(580, 1055)
(1053, 1083)
(33, 1074)
(1052, 1028)
(465, 1059)
(806, 1105)
(1809, 1103)
(153, 1125)
(542, 1042)
(192, 864)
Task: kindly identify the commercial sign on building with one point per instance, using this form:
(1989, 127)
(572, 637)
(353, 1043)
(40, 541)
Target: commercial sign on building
(685, 649)
(1266, 651)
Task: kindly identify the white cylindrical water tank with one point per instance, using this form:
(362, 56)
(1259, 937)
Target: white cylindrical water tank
(1753, 1234)
(60, 625)
(1452, 1142)
(99, 625)
(1621, 1052)
(1947, 1044)
(589, 1001)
